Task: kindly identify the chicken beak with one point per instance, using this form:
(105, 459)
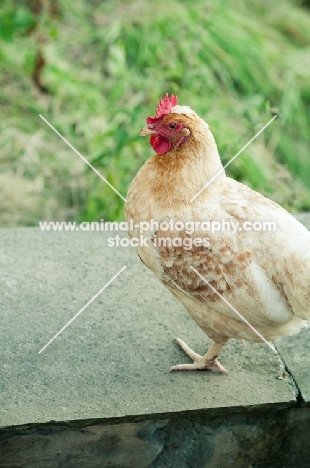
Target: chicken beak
(147, 131)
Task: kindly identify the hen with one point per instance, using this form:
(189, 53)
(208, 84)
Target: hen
(237, 282)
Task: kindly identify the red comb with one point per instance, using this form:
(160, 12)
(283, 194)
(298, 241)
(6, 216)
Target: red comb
(164, 108)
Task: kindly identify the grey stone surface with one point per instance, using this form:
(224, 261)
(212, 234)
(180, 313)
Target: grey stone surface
(129, 445)
(295, 351)
(275, 438)
(112, 362)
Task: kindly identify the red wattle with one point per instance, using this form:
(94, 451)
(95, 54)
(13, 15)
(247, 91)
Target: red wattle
(160, 144)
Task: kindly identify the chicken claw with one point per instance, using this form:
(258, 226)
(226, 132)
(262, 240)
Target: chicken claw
(206, 362)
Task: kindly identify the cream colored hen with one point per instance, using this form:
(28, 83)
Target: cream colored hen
(265, 276)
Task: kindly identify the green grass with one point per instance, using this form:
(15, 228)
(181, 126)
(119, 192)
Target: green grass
(107, 64)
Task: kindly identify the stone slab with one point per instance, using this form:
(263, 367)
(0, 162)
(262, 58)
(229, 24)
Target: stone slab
(112, 362)
(295, 351)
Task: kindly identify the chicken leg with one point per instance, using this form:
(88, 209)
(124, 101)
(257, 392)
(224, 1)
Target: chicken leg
(206, 362)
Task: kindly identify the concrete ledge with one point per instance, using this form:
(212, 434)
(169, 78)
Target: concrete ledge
(106, 376)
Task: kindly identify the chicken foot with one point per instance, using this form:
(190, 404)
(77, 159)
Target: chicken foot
(206, 362)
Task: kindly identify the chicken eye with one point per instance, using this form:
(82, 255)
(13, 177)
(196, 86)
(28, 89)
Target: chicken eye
(172, 126)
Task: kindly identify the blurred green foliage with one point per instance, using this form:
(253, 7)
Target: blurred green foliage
(15, 21)
(107, 64)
